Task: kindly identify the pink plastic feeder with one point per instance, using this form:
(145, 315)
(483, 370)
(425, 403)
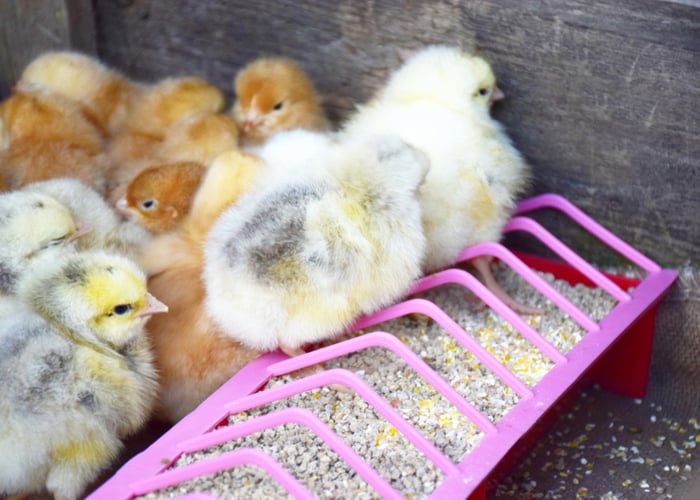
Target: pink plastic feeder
(626, 331)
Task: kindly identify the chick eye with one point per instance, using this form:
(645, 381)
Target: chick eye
(122, 309)
(149, 204)
(484, 92)
(278, 106)
(56, 241)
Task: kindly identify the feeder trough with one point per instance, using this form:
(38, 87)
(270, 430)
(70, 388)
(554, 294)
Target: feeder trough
(615, 353)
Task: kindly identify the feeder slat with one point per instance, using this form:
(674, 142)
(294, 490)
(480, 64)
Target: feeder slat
(148, 471)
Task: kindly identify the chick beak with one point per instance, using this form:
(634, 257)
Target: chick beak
(80, 230)
(248, 126)
(497, 95)
(153, 306)
(122, 207)
(252, 120)
(21, 86)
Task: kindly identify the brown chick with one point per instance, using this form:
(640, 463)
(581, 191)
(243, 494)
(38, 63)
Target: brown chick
(105, 94)
(274, 94)
(192, 355)
(48, 136)
(173, 169)
(199, 138)
(159, 107)
(160, 196)
(171, 100)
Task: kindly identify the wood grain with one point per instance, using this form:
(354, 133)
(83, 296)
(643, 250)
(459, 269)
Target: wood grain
(30, 27)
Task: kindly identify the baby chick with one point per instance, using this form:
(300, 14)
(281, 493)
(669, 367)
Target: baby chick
(193, 355)
(105, 94)
(158, 108)
(198, 138)
(274, 94)
(439, 102)
(160, 196)
(78, 373)
(47, 136)
(109, 231)
(297, 260)
(33, 226)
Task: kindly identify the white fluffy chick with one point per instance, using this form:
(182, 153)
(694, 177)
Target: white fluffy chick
(32, 226)
(439, 102)
(296, 260)
(78, 373)
(109, 231)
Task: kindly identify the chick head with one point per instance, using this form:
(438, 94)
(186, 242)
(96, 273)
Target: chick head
(273, 94)
(32, 226)
(446, 76)
(159, 196)
(95, 295)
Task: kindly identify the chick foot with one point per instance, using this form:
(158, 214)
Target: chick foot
(482, 264)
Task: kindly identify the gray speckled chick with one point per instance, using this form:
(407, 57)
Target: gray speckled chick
(109, 231)
(299, 259)
(77, 371)
(32, 225)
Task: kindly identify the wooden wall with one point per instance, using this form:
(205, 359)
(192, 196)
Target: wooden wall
(29, 27)
(602, 96)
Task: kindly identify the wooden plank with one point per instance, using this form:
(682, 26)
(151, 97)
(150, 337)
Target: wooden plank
(601, 96)
(30, 27)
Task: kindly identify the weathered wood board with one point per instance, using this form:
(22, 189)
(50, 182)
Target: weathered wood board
(602, 96)
(30, 27)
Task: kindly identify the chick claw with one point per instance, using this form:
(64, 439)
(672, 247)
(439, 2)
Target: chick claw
(482, 264)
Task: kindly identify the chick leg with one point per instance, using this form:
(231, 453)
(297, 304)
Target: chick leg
(292, 351)
(483, 267)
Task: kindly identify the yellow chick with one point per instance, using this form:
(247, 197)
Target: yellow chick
(33, 226)
(109, 231)
(193, 355)
(301, 256)
(78, 373)
(105, 95)
(160, 196)
(439, 101)
(48, 136)
(274, 94)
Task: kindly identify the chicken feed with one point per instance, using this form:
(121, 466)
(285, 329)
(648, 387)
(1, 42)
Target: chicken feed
(326, 475)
